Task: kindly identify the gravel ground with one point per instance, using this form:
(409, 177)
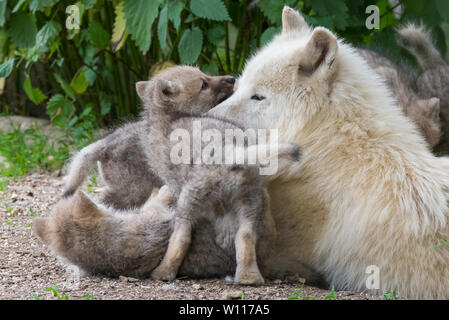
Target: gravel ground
(27, 268)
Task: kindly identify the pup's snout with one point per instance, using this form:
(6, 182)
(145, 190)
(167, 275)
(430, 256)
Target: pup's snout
(230, 79)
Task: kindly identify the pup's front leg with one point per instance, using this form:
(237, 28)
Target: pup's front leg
(178, 245)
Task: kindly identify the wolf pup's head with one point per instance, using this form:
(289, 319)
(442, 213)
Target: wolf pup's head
(72, 219)
(426, 114)
(187, 89)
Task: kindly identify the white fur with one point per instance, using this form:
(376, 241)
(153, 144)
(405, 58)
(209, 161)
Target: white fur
(367, 191)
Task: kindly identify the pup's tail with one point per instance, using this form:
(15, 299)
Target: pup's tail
(80, 166)
(416, 40)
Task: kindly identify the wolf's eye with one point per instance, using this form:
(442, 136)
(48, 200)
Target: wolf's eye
(257, 97)
(204, 86)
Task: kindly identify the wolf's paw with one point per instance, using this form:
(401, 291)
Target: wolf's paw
(249, 277)
(164, 274)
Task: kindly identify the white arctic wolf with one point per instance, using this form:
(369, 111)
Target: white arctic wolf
(368, 192)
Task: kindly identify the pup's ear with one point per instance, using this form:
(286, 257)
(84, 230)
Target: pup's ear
(84, 206)
(41, 228)
(292, 21)
(167, 89)
(434, 109)
(141, 88)
(319, 54)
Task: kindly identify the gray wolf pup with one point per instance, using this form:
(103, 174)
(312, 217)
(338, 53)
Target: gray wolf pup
(121, 161)
(433, 81)
(425, 113)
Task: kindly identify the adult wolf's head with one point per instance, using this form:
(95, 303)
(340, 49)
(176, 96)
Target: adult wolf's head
(299, 64)
(300, 73)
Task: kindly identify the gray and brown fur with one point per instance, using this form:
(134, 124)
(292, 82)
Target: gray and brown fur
(238, 190)
(423, 112)
(104, 241)
(433, 80)
(122, 163)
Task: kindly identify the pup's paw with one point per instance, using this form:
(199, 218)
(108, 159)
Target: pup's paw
(249, 277)
(164, 274)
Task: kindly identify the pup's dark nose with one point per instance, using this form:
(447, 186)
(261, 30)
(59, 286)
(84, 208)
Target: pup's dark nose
(230, 79)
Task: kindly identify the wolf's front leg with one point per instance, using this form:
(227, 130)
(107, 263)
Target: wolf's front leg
(178, 245)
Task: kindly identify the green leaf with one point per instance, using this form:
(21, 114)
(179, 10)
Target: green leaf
(6, 68)
(23, 30)
(162, 27)
(119, 33)
(59, 108)
(210, 9)
(34, 94)
(189, 47)
(40, 5)
(211, 68)
(216, 34)
(48, 33)
(335, 10)
(272, 10)
(88, 3)
(68, 91)
(18, 5)
(140, 15)
(174, 12)
(79, 83)
(2, 12)
(105, 105)
(268, 35)
(98, 34)
(442, 6)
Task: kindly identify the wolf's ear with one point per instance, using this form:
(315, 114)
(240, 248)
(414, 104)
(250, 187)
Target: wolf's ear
(291, 21)
(85, 207)
(167, 89)
(319, 53)
(41, 228)
(141, 88)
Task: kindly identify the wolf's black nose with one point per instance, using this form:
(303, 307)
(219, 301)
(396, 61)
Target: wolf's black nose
(230, 79)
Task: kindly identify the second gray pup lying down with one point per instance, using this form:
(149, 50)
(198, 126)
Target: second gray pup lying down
(199, 184)
(122, 162)
(101, 240)
(423, 112)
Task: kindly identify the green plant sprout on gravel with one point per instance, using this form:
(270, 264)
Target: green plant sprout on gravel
(54, 290)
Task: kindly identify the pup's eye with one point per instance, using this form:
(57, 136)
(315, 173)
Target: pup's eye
(257, 97)
(204, 86)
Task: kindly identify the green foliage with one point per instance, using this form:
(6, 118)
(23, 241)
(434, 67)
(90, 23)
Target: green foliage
(23, 30)
(55, 291)
(140, 15)
(390, 295)
(190, 45)
(298, 295)
(35, 94)
(209, 9)
(332, 295)
(6, 68)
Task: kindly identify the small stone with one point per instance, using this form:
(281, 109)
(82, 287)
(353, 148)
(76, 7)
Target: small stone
(231, 294)
(197, 286)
